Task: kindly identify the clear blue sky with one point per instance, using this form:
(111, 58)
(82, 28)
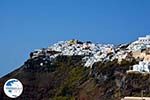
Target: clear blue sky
(26, 25)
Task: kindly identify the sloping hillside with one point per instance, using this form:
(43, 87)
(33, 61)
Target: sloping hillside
(75, 70)
(66, 79)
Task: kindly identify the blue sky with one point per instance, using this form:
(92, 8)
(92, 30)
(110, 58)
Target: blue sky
(26, 25)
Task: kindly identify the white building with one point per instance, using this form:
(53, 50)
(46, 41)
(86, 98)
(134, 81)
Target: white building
(142, 67)
(144, 40)
(141, 43)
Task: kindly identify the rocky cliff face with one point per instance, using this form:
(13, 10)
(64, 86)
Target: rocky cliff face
(60, 73)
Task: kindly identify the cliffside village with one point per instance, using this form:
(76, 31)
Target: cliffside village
(139, 49)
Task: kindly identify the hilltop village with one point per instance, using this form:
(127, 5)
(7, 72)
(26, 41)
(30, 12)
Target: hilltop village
(78, 70)
(139, 50)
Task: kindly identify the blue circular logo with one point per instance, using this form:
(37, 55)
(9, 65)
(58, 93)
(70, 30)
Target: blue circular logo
(13, 88)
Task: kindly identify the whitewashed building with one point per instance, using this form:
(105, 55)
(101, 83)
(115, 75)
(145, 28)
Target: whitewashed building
(144, 40)
(140, 44)
(142, 67)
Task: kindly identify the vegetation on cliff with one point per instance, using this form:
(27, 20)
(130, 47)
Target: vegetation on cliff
(66, 78)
